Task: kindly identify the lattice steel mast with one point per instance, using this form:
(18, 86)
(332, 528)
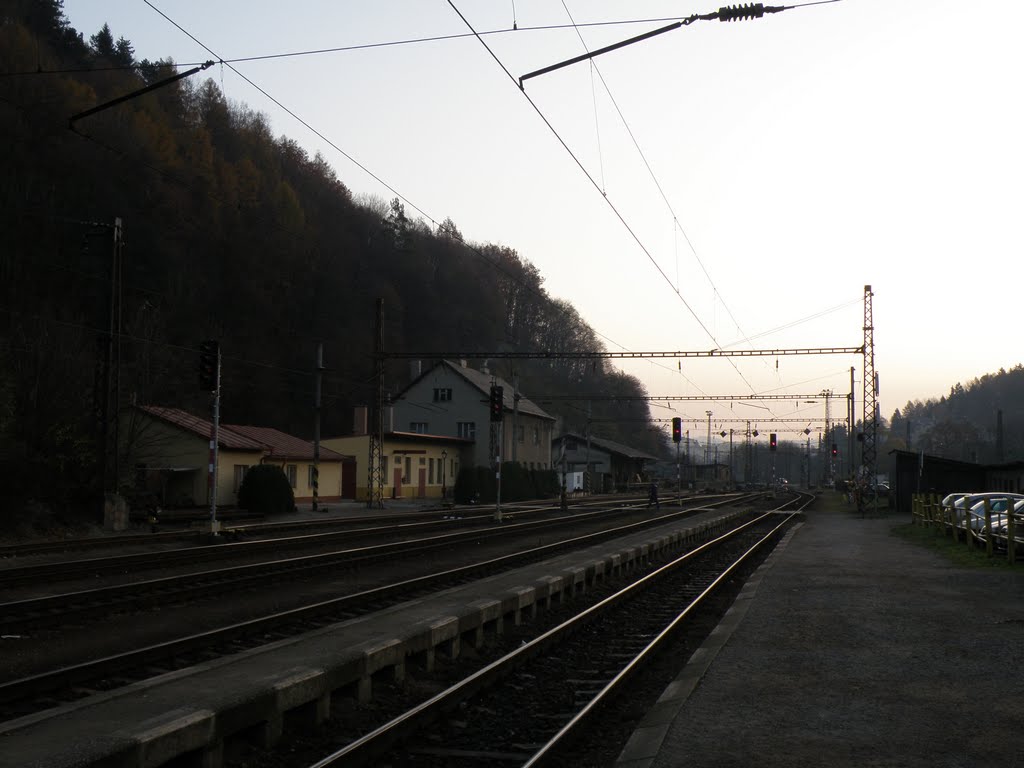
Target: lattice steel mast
(870, 396)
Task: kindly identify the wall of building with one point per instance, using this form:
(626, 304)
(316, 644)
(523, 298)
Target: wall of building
(420, 410)
(439, 465)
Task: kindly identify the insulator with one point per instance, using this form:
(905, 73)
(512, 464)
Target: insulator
(741, 12)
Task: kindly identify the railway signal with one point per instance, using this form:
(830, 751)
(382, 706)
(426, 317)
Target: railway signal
(677, 429)
(209, 363)
(497, 404)
(773, 442)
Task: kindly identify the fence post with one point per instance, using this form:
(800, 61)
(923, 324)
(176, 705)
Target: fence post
(988, 528)
(1011, 532)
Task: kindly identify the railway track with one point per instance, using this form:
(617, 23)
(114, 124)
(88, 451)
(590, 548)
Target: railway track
(47, 689)
(346, 530)
(92, 604)
(537, 704)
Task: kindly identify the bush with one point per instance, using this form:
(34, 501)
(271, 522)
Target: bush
(517, 484)
(266, 491)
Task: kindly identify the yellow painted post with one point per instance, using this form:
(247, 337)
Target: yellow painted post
(988, 528)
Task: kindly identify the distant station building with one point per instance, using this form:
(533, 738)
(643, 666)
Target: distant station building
(611, 466)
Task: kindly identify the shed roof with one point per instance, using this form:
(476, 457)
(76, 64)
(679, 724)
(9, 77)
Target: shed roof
(610, 446)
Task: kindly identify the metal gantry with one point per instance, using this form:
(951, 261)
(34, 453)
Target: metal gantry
(602, 355)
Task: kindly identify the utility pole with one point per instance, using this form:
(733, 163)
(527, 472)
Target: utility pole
(515, 416)
(375, 464)
(316, 423)
(707, 448)
(107, 375)
(209, 381)
(587, 485)
(853, 428)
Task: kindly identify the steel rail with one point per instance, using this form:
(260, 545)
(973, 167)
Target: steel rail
(339, 529)
(380, 739)
(77, 674)
(579, 720)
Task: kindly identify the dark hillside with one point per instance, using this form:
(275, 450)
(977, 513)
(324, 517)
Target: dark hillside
(230, 233)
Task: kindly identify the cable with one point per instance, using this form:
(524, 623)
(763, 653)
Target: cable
(344, 48)
(611, 205)
(402, 197)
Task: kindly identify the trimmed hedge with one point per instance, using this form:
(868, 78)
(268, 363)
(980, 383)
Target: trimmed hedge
(266, 491)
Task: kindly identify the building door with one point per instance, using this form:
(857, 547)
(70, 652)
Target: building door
(421, 491)
(397, 492)
(348, 480)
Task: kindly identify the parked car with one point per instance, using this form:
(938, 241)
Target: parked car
(974, 506)
(947, 503)
(1000, 527)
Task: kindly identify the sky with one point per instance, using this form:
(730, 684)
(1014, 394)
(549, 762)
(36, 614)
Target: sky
(720, 186)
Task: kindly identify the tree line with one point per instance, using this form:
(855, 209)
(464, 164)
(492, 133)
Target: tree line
(230, 233)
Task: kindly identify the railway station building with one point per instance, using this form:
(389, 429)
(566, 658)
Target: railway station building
(611, 466)
(169, 451)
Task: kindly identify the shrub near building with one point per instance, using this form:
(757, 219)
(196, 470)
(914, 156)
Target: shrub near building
(265, 490)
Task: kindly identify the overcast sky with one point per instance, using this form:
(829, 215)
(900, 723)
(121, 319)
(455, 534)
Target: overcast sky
(786, 163)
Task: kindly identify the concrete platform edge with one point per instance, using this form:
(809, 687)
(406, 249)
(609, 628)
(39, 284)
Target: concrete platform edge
(645, 743)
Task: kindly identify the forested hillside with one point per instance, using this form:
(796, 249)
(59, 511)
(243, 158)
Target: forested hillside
(965, 424)
(231, 233)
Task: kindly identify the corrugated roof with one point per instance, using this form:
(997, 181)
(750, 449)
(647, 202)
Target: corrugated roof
(202, 428)
(281, 445)
(482, 381)
(609, 445)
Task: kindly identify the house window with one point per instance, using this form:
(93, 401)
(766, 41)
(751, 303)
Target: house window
(408, 469)
(536, 435)
(240, 470)
(311, 476)
(384, 469)
(430, 471)
(467, 430)
(292, 471)
(442, 394)
(520, 434)
(419, 427)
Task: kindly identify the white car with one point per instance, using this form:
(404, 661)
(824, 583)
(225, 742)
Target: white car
(963, 507)
(998, 505)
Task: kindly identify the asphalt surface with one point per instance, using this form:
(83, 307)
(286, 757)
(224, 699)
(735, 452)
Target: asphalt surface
(852, 647)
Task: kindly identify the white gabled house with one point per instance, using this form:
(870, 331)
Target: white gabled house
(453, 399)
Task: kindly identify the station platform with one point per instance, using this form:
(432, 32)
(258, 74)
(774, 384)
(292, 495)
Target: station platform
(851, 647)
(191, 716)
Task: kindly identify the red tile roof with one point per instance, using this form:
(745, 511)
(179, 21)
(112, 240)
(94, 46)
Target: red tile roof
(202, 428)
(274, 443)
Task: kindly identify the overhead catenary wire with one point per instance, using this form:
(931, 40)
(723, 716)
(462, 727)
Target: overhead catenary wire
(372, 175)
(594, 183)
(343, 48)
(366, 170)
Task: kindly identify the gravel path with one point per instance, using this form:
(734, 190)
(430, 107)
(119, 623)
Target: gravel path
(861, 649)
